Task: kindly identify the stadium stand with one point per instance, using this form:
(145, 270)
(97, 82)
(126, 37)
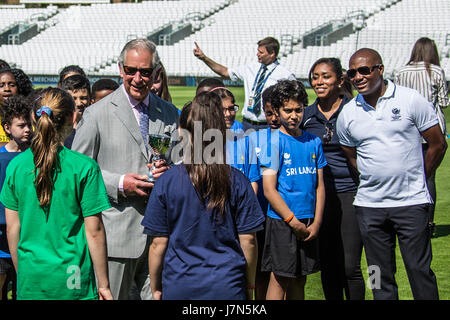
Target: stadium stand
(226, 30)
(232, 35)
(92, 36)
(10, 16)
(391, 32)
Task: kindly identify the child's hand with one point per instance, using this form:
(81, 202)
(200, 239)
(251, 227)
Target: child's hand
(157, 295)
(105, 294)
(313, 231)
(299, 229)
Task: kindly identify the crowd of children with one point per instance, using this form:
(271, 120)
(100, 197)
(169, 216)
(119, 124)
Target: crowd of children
(280, 199)
(241, 153)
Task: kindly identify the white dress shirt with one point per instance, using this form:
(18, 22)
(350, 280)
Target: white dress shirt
(248, 74)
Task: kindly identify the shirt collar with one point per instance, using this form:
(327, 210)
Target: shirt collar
(271, 66)
(319, 114)
(389, 93)
(133, 102)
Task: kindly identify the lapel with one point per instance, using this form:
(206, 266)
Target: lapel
(125, 114)
(155, 117)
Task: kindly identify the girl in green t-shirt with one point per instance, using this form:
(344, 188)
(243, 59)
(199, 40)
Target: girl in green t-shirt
(54, 198)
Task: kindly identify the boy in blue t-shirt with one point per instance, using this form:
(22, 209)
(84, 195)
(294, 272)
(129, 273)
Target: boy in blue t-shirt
(293, 185)
(16, 121)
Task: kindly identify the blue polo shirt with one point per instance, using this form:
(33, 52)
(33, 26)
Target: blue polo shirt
(338, 175)
(204, 259)
(296, 162)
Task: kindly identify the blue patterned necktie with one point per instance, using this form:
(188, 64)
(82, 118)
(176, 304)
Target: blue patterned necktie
(143, 122)
(258, 90)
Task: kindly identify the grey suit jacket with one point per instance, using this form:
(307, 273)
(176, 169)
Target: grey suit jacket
(110, 134)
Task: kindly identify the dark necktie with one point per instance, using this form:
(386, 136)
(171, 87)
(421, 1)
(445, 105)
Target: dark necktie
(258, 90)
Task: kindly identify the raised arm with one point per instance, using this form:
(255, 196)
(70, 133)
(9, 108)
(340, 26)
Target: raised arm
(214, 66)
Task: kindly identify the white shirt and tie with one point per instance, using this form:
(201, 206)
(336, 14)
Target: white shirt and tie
(250, 73)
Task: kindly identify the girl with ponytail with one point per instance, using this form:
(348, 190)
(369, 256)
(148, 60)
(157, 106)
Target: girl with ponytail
(54, 198)
(203, 216)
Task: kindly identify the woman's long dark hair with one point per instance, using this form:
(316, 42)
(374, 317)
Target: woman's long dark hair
(211, 180)
(425, 50)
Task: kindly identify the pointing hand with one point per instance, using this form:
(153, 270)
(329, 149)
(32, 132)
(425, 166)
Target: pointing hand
(198, 52)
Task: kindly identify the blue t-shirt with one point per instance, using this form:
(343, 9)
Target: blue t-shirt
(338, 175)
(296, 162)
(204, 259)
(241, 156)
(237, 127)
(5, 158)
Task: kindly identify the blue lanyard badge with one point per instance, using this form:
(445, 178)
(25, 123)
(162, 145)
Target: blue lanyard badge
(265, 79)
(254, 102)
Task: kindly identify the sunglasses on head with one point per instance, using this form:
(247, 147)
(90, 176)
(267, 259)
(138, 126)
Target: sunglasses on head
(364, 71)
(131, 71)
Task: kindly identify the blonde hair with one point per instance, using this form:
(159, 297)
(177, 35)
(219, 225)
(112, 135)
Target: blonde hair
(50, 129)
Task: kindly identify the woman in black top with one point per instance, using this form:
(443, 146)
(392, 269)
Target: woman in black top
(339, 239)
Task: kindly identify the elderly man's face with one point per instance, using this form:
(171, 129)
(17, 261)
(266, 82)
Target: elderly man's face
(136, 73)
(369, 73)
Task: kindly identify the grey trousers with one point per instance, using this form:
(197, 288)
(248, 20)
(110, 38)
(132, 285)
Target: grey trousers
(379, 229)
(129, 278)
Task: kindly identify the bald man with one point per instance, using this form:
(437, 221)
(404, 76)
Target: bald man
(381, 132)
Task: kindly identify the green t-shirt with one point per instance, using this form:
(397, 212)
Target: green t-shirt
(53, 256)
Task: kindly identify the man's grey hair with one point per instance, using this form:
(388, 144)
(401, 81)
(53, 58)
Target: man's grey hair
(141, 44)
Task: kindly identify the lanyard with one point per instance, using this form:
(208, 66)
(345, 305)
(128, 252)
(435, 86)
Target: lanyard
(265, 79)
